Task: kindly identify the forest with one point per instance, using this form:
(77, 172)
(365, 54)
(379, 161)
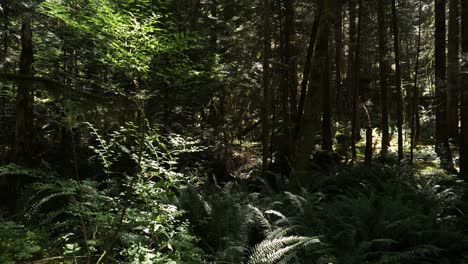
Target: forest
(234, 131)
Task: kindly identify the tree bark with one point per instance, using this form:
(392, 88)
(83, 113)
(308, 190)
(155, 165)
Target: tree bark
(368, 150)
(338, 60)
(441, 144)
(415, 101)
(24, 100)
(291, 61)
(355, 120)
(307, 66)
(310, 123)
(267, 98)
(327, 137)
(464, 95)
(464, 110)
(291, 57)
(6, 21)
(452, 69)
(397, 80)
(351, 51)
(383, 71)
(284, 89)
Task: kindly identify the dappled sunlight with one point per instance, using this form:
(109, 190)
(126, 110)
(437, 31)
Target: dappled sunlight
(233, 132)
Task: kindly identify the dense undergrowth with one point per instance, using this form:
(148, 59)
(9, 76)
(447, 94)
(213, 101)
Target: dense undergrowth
(159, 213)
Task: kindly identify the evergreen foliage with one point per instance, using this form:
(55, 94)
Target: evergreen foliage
(176, 131)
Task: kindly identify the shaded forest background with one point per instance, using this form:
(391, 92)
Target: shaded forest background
(234, 131)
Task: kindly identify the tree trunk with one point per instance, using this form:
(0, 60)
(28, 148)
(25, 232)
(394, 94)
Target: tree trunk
(464, 110)
(291, 61)
(327, 137)
(24, 100)
(351, 51)
(464, 95)
(291, 57)
(397, 80)
(368, 151)
(355, 120)
(6, 21)
(284, 68)
(307, 66)
(452, 69)
(266, 115)
(383, 67)
(415, 102)
(441, 144)
(338, 60)
(310, 123)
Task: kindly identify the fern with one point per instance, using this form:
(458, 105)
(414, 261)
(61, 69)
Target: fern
(283, 249)
(422, 251)
(258, 217)
(379, 216)
(13, 169)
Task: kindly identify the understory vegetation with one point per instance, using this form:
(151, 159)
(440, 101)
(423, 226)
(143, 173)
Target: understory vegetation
(234, 131)
(161, 214)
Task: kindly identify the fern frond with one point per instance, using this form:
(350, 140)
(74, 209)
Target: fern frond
(51, 216)
(259, 218)
(297, 201)
(36, 206)
(282, 218)
(422, 251)
(280, 250)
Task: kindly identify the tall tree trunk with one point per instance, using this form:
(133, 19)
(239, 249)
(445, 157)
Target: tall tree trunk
(441, 144)
(267, 96)
(351, 51)
(291, 57)
(310, 123)
(291, 61)
(24, 100)
(464, 109)
(383, 68)
(452, 69)
(284, 90)
(307, 66)
(415, 102)
(464, 95)
(222, 128)
(397, 80)
(338, 59)
(327, 137)
(6, 22)
(355, 119)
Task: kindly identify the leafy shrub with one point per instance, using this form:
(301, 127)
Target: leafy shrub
(132, 218)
